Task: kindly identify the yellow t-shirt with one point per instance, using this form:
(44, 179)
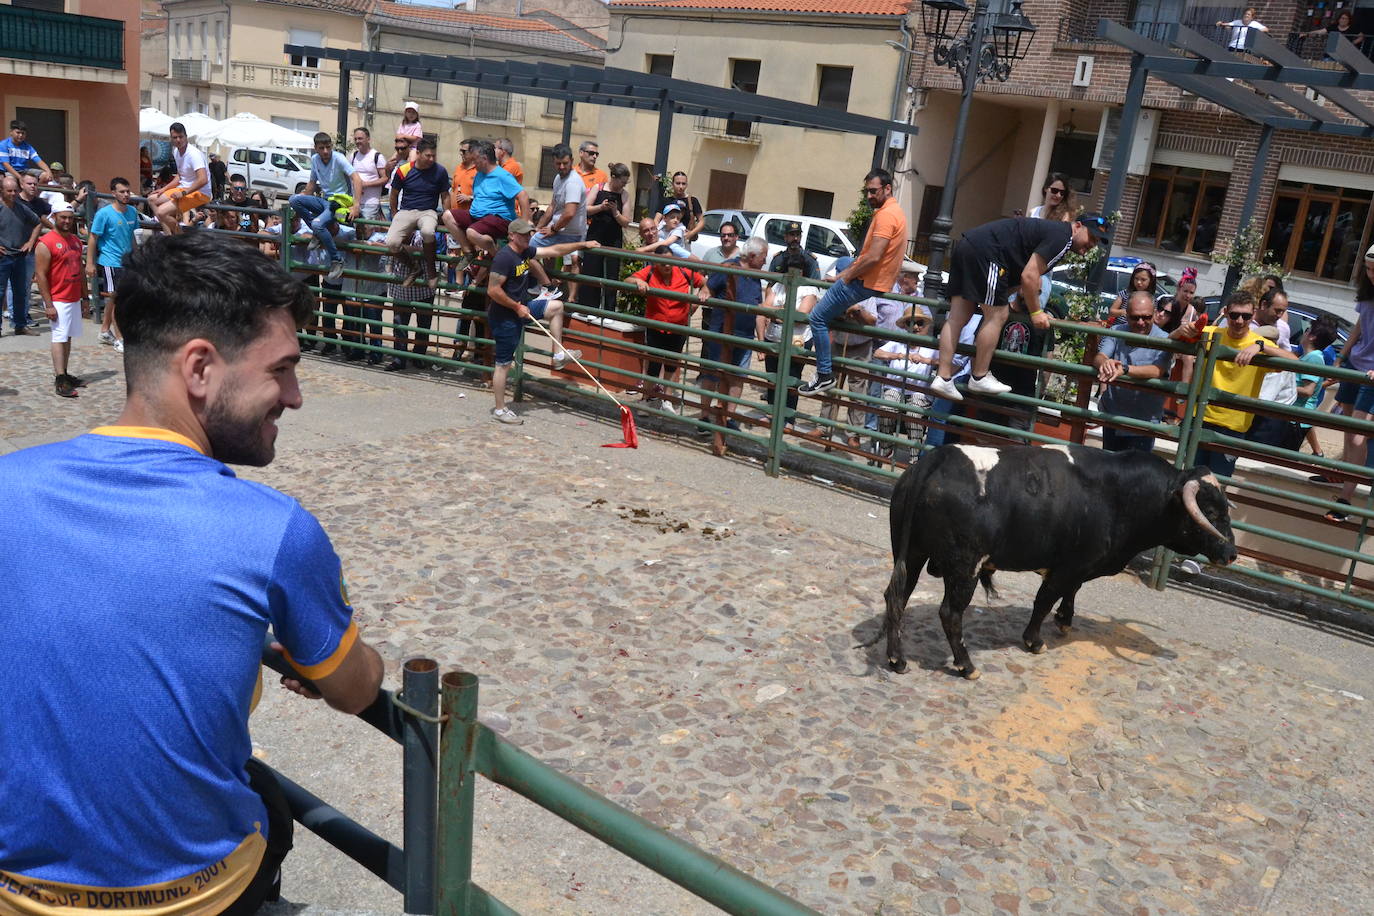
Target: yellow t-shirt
(1240, 380)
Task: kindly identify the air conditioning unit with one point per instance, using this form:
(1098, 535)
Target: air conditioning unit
(1142, 141)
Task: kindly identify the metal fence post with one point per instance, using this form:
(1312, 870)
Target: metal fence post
(782, 379)
(287, 220)
(457, 775)
(420, 786)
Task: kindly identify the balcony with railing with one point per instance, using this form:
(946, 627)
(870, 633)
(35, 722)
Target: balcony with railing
(730, 130)
(1305, 39)
(309, 80)
(61, 38)
(190, 70)
(494, 106)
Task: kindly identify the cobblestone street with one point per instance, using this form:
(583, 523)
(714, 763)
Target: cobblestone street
(678, 632)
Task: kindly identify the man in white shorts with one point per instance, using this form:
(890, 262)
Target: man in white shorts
(59, 271)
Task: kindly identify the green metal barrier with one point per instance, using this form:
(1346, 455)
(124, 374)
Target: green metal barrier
(817, 432)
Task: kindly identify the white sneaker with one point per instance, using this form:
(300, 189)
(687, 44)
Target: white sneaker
(1189, 567)
(107, 337)
(119, 345)
(561, 359)
(668, 405)
(550, 293)
(335, 271)
(945, 389)
(506, 415)
(988, 384)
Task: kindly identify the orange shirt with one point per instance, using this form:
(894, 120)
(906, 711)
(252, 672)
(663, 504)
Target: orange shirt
(462, 184)
(593, 178)
(510, 165)
(889, 222)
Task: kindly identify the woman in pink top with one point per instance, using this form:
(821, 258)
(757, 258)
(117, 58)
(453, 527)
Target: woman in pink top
(410, 129)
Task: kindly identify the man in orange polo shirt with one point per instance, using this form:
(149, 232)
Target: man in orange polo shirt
(591, 176)
(505, 157)
(463, 176)
(873, 273)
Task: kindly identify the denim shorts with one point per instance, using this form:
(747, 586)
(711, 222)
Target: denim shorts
(506, 329)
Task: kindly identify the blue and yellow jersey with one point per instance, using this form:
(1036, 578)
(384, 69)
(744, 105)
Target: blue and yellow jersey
(128, 668)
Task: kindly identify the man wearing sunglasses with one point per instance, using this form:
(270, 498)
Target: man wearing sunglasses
(1234, 376)
(1121, 359)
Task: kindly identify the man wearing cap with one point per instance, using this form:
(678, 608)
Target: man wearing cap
(511, 304)
(60, 274)
(988, 264)
(871, 274)
(791, 235)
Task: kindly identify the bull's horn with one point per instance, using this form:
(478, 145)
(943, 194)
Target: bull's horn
(1190, 490)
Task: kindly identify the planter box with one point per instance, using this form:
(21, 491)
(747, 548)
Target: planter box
(602, 342)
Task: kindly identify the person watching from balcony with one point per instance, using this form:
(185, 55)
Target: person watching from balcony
(1343, 26)
(189, 190)
(1238, 36)
(1058, 200)
(18, 155)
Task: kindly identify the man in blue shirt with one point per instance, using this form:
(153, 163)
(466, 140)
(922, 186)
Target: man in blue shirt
(1121, 359)
(128, 769)
(17, 154)
(111, 238)
(497, 198)
(419, 191)
(329, 175)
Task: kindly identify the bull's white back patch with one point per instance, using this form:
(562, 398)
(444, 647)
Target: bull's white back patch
(1062, 449)
(984, 459)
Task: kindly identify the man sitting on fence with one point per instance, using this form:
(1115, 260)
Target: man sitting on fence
(497, 198)
(129, 777)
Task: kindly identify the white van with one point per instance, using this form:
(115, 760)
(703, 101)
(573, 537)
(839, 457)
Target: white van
(277, 171)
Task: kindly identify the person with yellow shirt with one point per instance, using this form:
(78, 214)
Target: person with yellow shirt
(1239, 376)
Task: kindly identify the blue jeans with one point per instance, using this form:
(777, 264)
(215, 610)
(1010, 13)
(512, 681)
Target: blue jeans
(939, 409)
(316, 212)
(16, 273)
(1219, 462)
(1115, 440)
(832, 305)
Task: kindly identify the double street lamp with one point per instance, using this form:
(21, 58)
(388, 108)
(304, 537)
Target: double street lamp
(984, 49)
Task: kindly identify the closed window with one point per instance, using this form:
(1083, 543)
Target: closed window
(773, 231)
(285, 163)
(1319, 230)
(547, 172)
(427, 90)
(492, 105)
(659, 64)
(833, 91)
(555, 108)
(744, 76)
(825, 241)
(1180, 209)
(710, 223)
(817, 203)
(300, 125)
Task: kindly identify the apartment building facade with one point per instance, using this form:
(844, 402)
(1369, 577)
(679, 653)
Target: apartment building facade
(65, 70)
(824, 52)
(1191, 163)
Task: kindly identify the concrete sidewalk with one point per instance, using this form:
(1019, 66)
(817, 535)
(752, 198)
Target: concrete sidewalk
(677, 631)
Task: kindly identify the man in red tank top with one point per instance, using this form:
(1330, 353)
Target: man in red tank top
(58, 269)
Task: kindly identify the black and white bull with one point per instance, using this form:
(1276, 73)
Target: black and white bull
(1069, 512)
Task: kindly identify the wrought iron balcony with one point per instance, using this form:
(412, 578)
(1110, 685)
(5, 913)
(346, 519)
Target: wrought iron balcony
(721, 129)
(191, 70)
(61, 38)
(496, 106)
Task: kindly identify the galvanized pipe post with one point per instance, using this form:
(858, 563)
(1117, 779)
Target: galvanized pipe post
(782, 380)
(457, 775)
(420, 782)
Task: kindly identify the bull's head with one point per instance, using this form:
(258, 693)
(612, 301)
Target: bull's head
(1204, 524)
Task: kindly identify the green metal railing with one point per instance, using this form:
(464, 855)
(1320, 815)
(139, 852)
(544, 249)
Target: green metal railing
(61, 38)
(840, 434)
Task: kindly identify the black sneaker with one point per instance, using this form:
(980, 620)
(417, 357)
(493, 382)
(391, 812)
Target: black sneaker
(1337, 515)
(64, 387)
(77, 381)
(817, 384)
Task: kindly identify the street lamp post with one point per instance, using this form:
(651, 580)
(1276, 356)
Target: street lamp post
(975, 58)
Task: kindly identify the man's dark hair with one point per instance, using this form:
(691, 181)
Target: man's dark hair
(366, 133)
(486, 149)
(792, 259)
(16, 124)
(424, 145)
(1241, 297)
(116, 182)
(176, 288)
(561, 151)
(1322, 331)
(176, 127)
(883, 175)
(322, 137)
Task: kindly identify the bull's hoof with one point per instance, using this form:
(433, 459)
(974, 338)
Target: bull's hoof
(898, 665)
(1063, 626)
(1034, 648)
(970, 673)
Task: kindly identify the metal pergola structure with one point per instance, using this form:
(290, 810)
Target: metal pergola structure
(1276, 99)
(575, 84)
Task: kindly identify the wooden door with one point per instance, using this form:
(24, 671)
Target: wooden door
(726, 190)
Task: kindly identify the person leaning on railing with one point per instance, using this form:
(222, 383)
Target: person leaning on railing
(128, 768)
